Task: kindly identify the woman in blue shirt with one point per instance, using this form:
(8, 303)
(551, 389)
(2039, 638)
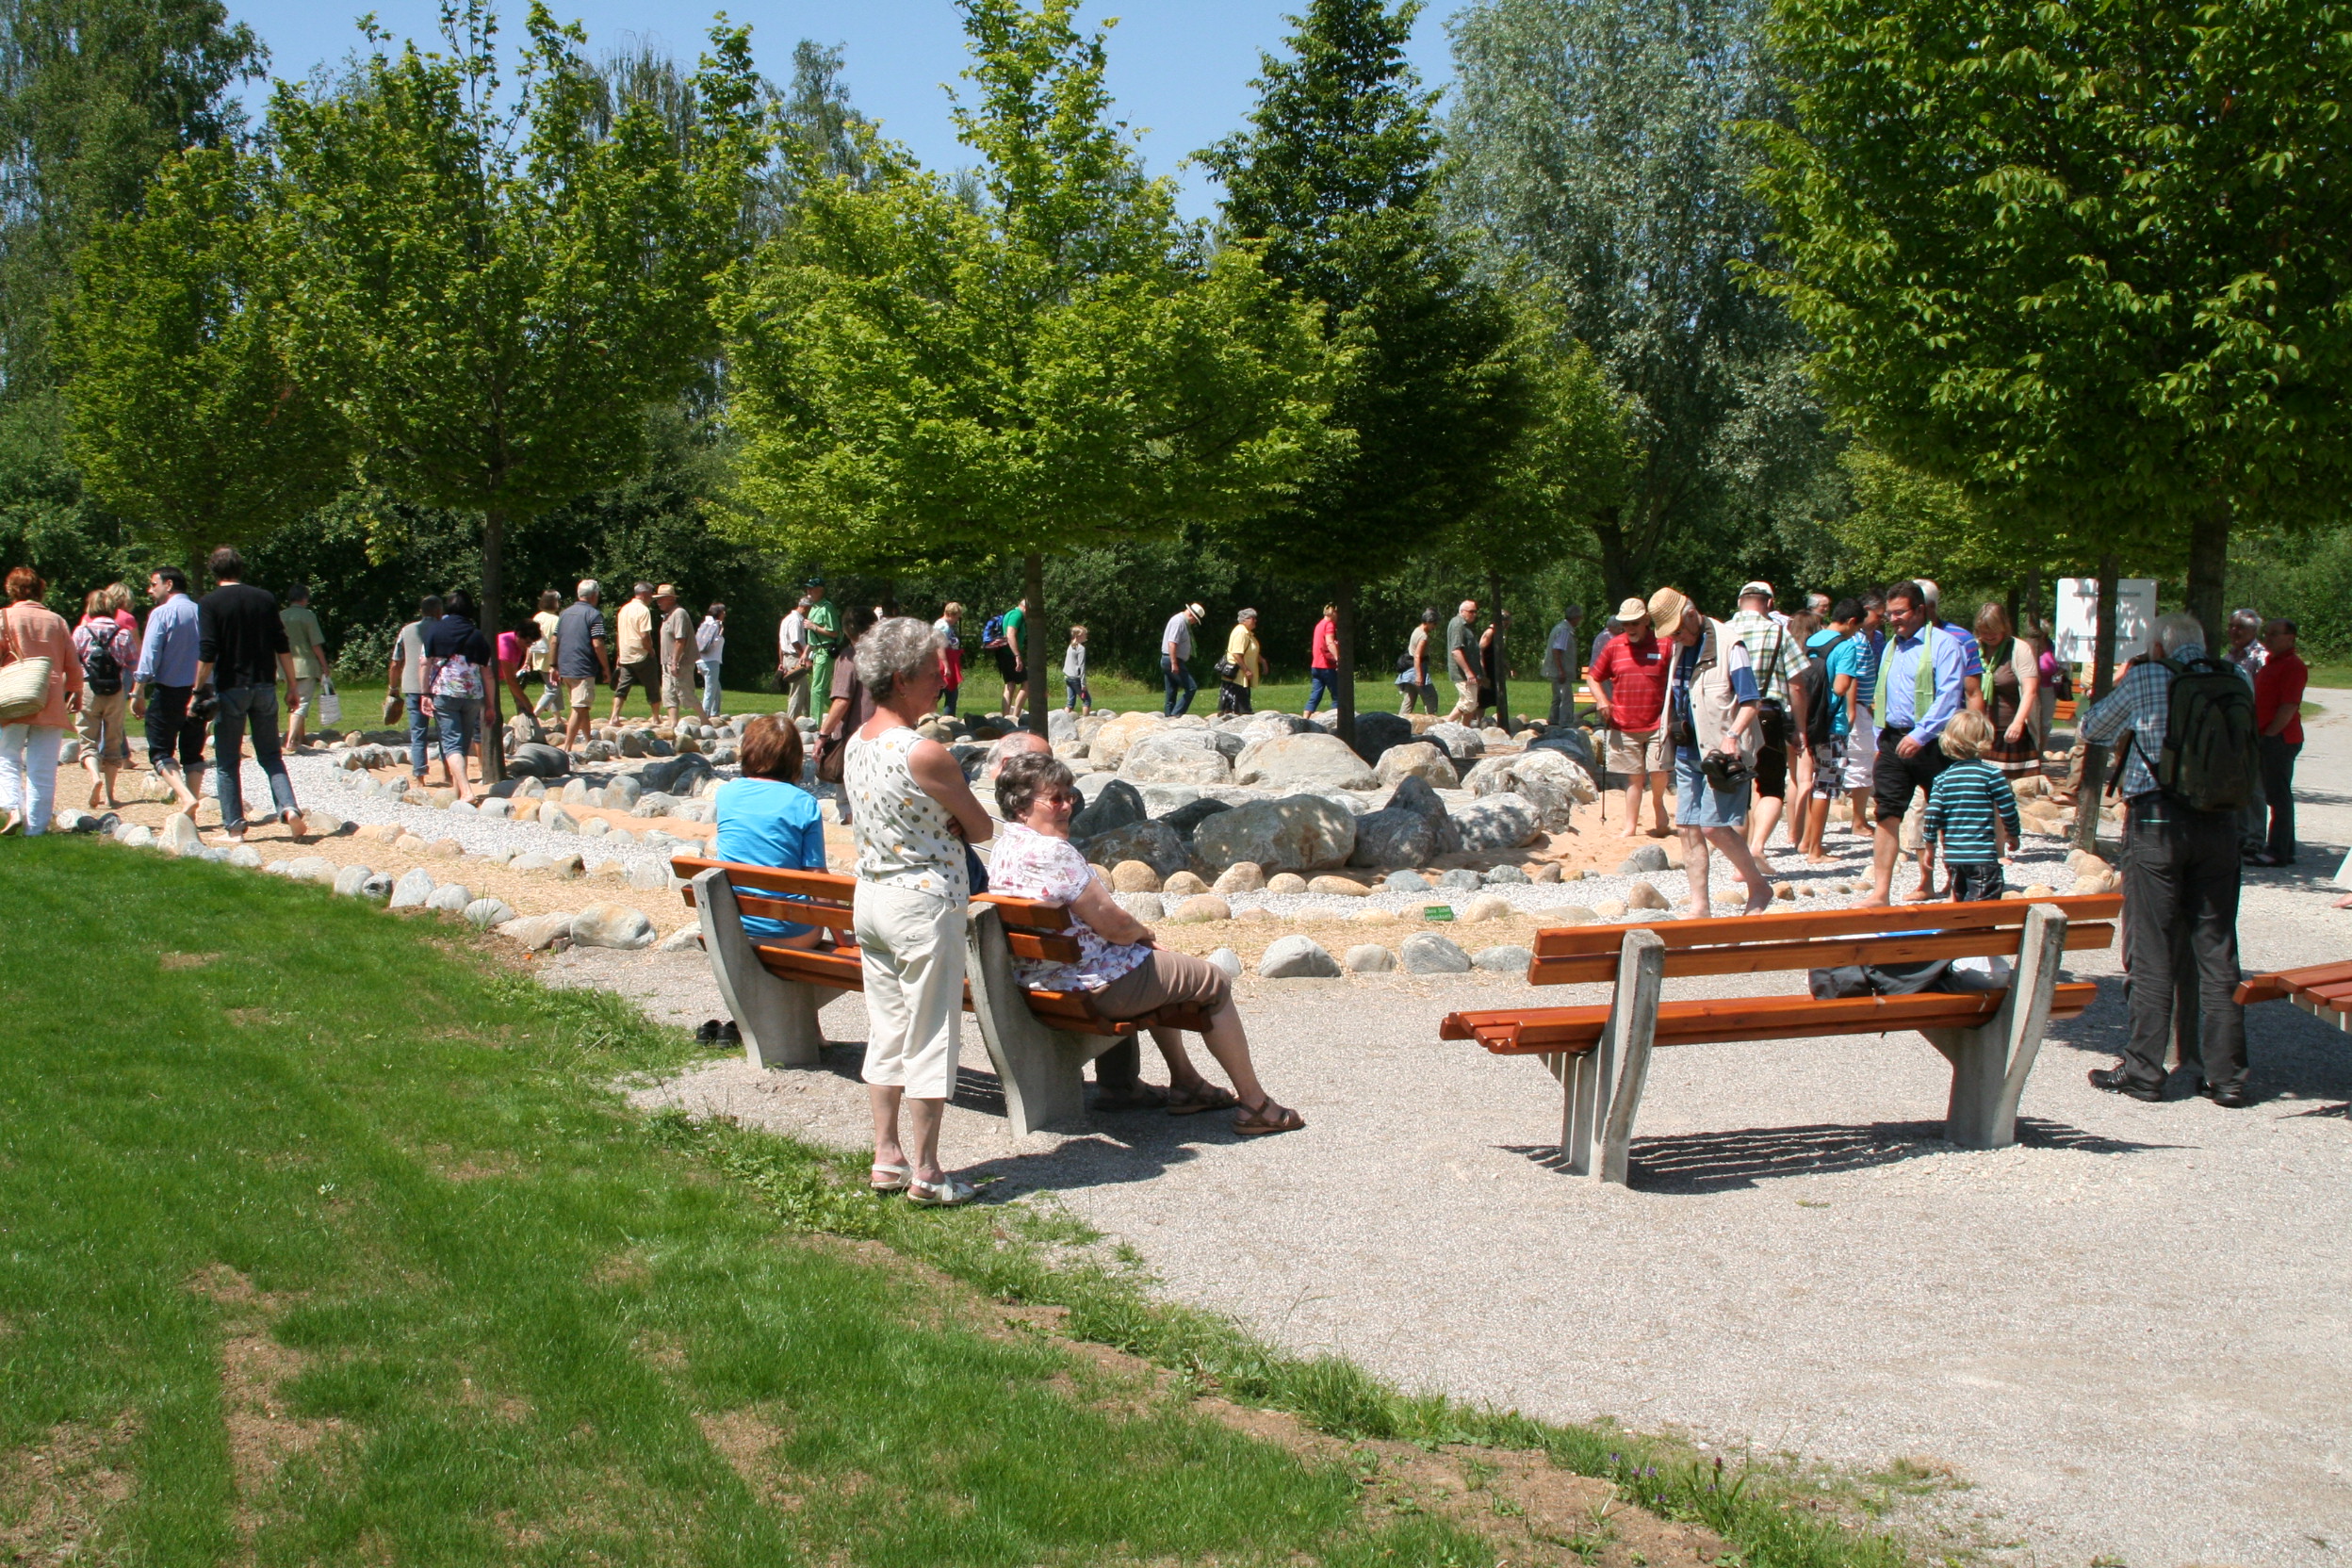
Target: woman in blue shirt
(766, 819)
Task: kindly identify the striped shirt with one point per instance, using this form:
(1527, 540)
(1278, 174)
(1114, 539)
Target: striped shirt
(1961, 806)
(1772, 652)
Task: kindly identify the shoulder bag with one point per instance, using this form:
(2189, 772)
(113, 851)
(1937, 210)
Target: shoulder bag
(23, 682)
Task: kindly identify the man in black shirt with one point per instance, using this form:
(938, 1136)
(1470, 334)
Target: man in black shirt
(240, 651)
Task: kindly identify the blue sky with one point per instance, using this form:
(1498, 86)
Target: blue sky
(1180, 69)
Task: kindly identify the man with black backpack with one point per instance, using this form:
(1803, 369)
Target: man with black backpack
(2188, 770)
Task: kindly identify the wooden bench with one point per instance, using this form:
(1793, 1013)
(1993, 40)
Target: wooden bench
(2323, 991)
(1990, 1038)
(1040, 1042)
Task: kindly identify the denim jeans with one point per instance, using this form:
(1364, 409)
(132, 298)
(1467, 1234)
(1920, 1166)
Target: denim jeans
(1180, 686)
(710, 668)
(2277, 758)
(1321, 683)
(241, 707)
(419, 735)
(460, 719)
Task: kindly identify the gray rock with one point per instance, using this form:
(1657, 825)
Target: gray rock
(1404, 881)
(1505, 876)
(1426, 953)
(1370, 959)
(1146, 908)
(134, 836)
(1296, 833)
(451, 898)
(1644, 859)
(1497, 823)
(531, 861)
(1315, 760)
(613, 926)
(246, 857)
(1555, 782)
(326, 824)
(350, 879)
(1160, 799)
(1257, 726)
(1185, 818)
(487, 914)
(1117, 804)
(686, 939)
(1155, 843)
(1461, 742)
(1061, 725)
(623, 793)
(538, 931)
(1297, 957)
(1417, 795)
(497, 810)
(1506, 958)
(311, 868)
(576, 793)
(462, 808)
(534, 760)
(675, 775)
(592, 827)
(412, 890)
(1395, 837)
(179, 834)
(1177, 757)
(1462, 877)
(1420, 760)
(1377, 731)
(557, 820)
(650, 876)
(377, 888)
(1227, 961)
(1093, 784)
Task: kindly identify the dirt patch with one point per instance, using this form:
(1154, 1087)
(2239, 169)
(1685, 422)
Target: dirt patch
(747, 1440)
(660, 1350)
(263, 1433)
(187, 960)
(626, 1269)
(252, 1017)
(56, 1497)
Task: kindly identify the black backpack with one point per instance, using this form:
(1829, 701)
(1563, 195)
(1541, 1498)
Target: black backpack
(2208, 762)
(101, 670)
(1813, 683)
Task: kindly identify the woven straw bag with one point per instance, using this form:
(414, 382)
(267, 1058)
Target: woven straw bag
(23, 682)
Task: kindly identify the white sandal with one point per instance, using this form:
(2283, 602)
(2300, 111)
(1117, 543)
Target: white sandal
(942, 1195)
(897, 1175)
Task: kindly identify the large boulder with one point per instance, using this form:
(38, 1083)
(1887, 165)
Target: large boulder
(1108, 746)
(1417, 795)
(412, 890)
(534, 760)
(1571, 742)
(1117, 804)
(1296, 833)
(1179, 757)
(1155, 844)
(1553, 781)
(1304, 762)
(1461, 742)
(614, 926)
(1160, 799)
(1392, 837)
(1297, 957)
(1193, 814)
(1377, 731)
(1418, 759)
(1497, 823)
(1426, 953)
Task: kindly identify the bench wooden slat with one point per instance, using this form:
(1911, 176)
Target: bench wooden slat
(2287, 982)
(1577, 940)
(840, 967)
(1764, 957)
(1543, 1031)
(830, 887)
(1026, 913)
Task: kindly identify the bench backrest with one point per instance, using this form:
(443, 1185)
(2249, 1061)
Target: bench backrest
(826, 898)
(1754, 944)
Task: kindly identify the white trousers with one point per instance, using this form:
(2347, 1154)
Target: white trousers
(913, 947)
(28, 769)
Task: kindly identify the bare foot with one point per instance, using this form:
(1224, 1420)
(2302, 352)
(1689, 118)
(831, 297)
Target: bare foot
(1921, 895)
(1630, 833)
(295, 824)
(2343, 903)
(1870, 901)
(1819, 860)
(1759, 900)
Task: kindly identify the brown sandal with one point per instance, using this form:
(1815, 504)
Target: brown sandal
(1268, 1117)
(1208, 1097)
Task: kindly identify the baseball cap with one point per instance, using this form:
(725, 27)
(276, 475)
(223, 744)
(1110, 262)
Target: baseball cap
(1666, 609)
(1631, 611)
(1758, 586)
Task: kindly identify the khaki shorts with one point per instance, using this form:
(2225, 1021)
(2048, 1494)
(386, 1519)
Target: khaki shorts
(581, 690)
(678, 688)
(1629, 754)
(100, 726)
(1163, 979)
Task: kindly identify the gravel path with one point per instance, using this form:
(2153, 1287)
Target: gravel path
(2125, 1335)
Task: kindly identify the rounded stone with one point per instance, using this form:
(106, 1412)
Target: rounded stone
(1242, 876)
(1567, 914)
(1183, 885)
(1134, 876)
(1227, 962)
(1370, 959)
(1609, 909)
(1642, 895)
(1426, 953)
(1339, 886)
(613, 926)
(451, 898)
(1546, 870)
(1287, 882)
(487, 914)
(1488, 906)
(1406, 882)
(1460, 877)
(1146, 907)
(1505, 959)
(1203, 907)
(1297, 957)
(1505, 876)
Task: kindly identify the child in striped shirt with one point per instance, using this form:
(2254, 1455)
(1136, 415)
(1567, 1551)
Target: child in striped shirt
(1973, 808)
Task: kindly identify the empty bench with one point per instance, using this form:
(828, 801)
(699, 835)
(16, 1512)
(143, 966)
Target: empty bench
(1601, 1053)
(1040, 1042)
(2323, 991)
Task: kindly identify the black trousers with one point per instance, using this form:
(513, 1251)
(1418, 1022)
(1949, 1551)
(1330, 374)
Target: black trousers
(2181, 942)
(170, 735)
(2277, 758)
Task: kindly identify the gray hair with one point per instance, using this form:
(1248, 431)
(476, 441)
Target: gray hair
(895, 649)
(587, 590)
(2245, 617)
(2179, 631)
(1241, 615)
(1011, 744)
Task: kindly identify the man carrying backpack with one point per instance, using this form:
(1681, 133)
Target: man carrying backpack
(2189, 769)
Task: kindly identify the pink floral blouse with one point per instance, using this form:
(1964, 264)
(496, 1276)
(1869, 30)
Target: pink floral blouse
(1028, 864)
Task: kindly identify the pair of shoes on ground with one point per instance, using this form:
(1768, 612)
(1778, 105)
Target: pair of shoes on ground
(713, 1032)
(2115, 1080)
(946, 1193)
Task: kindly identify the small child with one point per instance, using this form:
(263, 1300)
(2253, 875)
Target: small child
(1973, 808)
(1074, 671)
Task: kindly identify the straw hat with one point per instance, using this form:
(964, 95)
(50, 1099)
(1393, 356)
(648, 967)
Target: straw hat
(1667, 608)
(1631, 611)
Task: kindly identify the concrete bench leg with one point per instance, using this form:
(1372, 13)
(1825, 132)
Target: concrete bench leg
(1632, 1027)
(1991, 1062)
(777, 1018)
(1043, 1069)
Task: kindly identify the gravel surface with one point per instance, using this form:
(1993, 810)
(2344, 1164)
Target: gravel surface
(2123, 1337)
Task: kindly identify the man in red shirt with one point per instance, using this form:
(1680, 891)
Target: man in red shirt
(1629, 693)
(2278, 722)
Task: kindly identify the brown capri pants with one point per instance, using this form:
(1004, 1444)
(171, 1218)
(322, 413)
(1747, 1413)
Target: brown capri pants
(1163, 979)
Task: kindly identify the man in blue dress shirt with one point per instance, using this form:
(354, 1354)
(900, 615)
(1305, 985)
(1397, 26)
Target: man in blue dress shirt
(166, 680)
(1922, 676)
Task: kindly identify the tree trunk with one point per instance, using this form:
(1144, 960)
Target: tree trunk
(2015, 606)
(2033, 606)
(494, 616)
(1616, 570)
(2086, 802)
(2208, 572)
(1502, 651)
(1344, 606)
(1032, 633)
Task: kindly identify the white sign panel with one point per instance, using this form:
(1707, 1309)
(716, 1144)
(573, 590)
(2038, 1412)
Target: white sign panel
(2078, 617)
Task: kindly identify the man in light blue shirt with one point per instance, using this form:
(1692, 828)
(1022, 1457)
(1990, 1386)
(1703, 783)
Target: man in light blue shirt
(166, 680)
(1922, 679)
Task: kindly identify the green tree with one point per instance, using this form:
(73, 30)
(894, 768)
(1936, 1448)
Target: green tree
(183, 417)
(930, 384)
(1594, 146)
(495, 292)
(1335, 176)
(2086, 262)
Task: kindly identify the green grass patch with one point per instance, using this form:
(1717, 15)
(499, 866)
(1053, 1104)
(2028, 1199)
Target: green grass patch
(328, 1240)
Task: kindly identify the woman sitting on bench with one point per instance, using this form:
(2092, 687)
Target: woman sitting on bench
(766, 819)
(1125, 975)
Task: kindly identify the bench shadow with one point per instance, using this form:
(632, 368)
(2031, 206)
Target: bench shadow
(1739, 1160)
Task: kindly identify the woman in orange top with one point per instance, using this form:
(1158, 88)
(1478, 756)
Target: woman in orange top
(28, 748)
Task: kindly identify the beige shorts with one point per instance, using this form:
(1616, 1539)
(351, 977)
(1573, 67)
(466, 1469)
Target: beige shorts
(1629, 754)
(100, 726)
(305, 698)
(1163, 979)
(579, 690)
(678, 688)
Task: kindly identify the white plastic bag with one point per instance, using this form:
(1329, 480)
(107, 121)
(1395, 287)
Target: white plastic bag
(329, 705)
